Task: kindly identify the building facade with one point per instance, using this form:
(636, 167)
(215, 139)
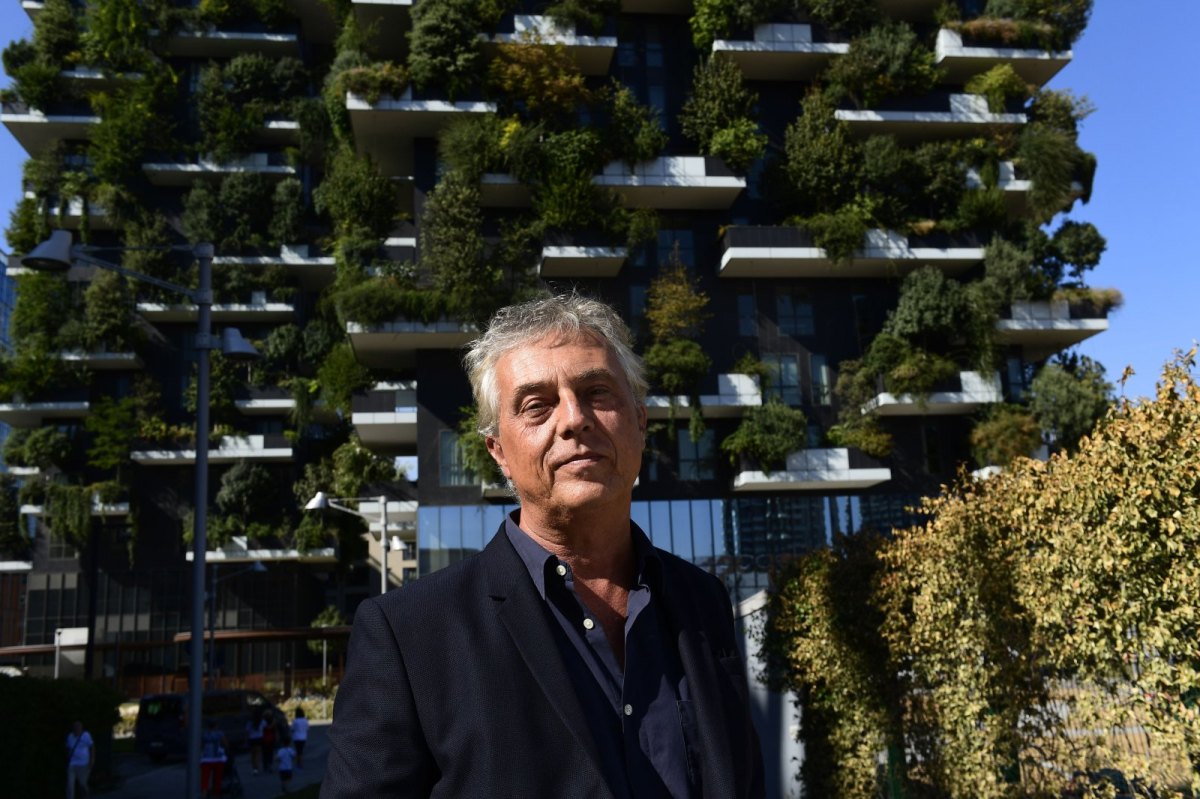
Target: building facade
(855, 211)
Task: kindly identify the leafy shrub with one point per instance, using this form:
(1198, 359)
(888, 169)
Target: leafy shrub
(14, 541)
(1008, 433)
(340, 376)
(767, 434)
(373, 81)
(39, 84)
(1068, 396)
(739, 145)
(675, 305)
(444, 48)
(848, 16)
(719, 100)
(634, 131)
(56, 34)
(473, 449)
(906, 369)
(43, 304)
(28, 225)
(132, 122)
(112, 426)
(839, 233)
(452, 248)
(356, 468)
(588, 13)
(47, 448)
(287, 206)
(887, 61)
(1051, 159)
(356, 196)
(932, 308)
(565, 198)
(474, 146)
(821, 162)
(677, 365)
(117, 35)
(108, 314)
(543, 79)
(999, 84)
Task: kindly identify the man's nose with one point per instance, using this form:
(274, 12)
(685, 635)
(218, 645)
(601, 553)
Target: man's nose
(573, 415)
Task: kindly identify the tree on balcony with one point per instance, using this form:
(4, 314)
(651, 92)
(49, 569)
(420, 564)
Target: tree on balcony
(767, 434)
(889, 60)
(676, 310)
(719, 114)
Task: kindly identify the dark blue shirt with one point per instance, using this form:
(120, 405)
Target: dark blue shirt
(641, 718)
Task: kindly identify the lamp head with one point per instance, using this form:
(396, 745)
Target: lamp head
(52, 255)
(235, 347)
(318, 502)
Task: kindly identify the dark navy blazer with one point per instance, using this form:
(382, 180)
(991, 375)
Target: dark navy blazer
(454, 687)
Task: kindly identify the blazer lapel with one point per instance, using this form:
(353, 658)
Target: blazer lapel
(522, 612)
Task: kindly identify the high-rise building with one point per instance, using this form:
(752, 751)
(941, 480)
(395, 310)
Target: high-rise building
(833, 227)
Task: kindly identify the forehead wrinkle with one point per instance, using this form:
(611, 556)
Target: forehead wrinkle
(587, 375)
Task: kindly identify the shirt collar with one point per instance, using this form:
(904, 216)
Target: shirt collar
(537, 560)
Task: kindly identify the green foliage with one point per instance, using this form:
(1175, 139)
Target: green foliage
(565, 198)
(356, 469)
(112, 425)
(108, 314)
(38, 83)
(676, 307)
(677, 365)
(739, 145)
(69, 512)
(999, 85)
(28, 225)
(247, 494)
(356, 196)
(340, 376)
(588, 13)
(287, 211)
(225, 378)
(543, 79)
(823, 636)
(905, 369)
(373, 81)
(41, 448)
(1074, 249)
(474, 146)
(865, 434)
(848, 16)
(634, 131)
(839, 233)
(473, 448)
(117, 35)
(14, 541)
(712, 19)
(719, 101)
(443, 47)
(330, 616)
(887, 61)
(821, 162)
(1009, 432)
(132, 122)
(933, 309)
(56, 33)
(767, 434)
(43, 304)
(1068, 397)
(452, 249)
(32, 753)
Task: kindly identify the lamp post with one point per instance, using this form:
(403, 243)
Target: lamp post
(256, 567)
(56, 254)
(322, 502)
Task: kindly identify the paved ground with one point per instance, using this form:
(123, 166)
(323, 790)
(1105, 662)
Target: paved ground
(142, 778)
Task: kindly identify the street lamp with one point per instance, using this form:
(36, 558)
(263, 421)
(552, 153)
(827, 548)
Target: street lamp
(56, 254)
(322, 502)
(256, 567)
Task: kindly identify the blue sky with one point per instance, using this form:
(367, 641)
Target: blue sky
(1139, 71)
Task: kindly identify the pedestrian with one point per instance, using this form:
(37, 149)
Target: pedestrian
(284, 758)
(269, 739)
(213, 748)
(584, 660)
(299, 735)
(254, 739)
(81, 755)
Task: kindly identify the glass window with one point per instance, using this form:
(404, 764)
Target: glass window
(822, 384)
(794, 315)
(784, 382)
(60, 547)
(451, 471)
(672, 241)
(747, 315)
(696, 457)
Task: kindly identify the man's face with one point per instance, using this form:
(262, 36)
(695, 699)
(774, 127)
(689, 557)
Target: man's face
(570, 433)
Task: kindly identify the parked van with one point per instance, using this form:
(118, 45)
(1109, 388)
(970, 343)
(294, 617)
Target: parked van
(161, 728)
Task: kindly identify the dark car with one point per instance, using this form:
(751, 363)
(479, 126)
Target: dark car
(161, 728)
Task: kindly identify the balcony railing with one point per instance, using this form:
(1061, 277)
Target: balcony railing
(786, 251)
(229, 449)
(735, 393)
(780, 51)
(816, 470)
(930, 117)
(1041, 329)
(592, 54)
(961, 62)
(386, 416)
(970, 392)
(393, 344)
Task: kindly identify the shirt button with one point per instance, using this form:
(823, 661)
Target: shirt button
(588, 624)
(561, 569)
(629, 710)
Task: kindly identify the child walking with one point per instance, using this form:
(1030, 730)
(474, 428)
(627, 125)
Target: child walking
(284, 759)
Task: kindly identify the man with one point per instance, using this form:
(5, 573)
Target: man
(81, 754)
(570, 658)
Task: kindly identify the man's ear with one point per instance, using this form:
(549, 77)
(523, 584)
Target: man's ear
(497, 453)
(641, 412)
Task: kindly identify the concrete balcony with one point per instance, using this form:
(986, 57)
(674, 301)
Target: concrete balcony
(15, 566)
(239, 550)
(684, 183)
(380, 127)
(112, 510)
(213, 43)
(32, 8)
(817, 470)
(1016, 189)
(395, 343)
(401, 513)
(38, 131)
(780, 51)
(76, 211)
(393, 16)
(973, 392)
(963, 115)
(313, 272)
(183, 173)
(960, 63)
(735, 393)
(265, 401)
(279, 133)
(592, 54)
(90, 79)
(1041, 329)
(256, 311)
(70, 405)
(783, 251)
(386, 418)
(581, 255)
(102, 361)
(230, 449)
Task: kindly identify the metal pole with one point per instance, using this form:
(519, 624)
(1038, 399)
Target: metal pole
(57, 650)
(383, 543)
(212, 626)
(203, 297)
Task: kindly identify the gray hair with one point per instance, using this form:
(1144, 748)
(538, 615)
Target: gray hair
(564, 318)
